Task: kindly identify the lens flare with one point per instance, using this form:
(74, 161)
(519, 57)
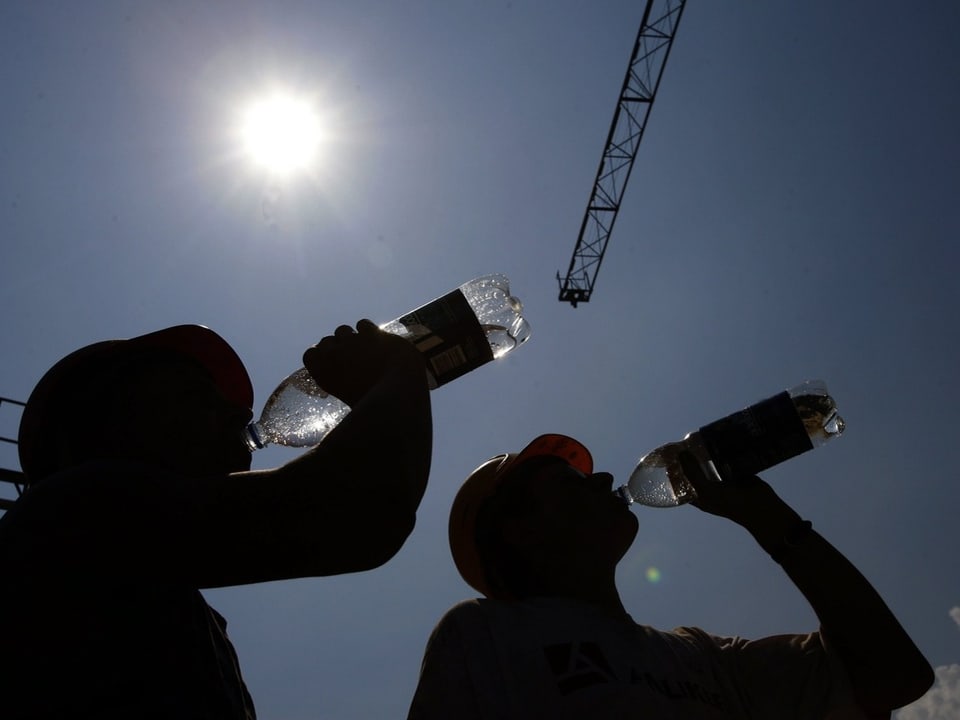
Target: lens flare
(653, 575)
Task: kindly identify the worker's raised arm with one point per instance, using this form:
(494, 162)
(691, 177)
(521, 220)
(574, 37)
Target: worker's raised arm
(885, 667)
(348, 504)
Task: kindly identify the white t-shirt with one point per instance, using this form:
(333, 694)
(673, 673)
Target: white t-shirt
(558, 659)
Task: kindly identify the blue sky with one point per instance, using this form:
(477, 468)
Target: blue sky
(792, 214)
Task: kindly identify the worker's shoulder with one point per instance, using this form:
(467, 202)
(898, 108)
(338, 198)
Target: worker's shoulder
(82, 502)
(100, 482)
(538, 610)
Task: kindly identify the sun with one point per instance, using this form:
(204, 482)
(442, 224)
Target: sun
(281, 133)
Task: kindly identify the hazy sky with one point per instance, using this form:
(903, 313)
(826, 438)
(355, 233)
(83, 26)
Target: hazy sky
(792, 214)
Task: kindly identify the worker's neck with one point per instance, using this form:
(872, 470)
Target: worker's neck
(601, 592)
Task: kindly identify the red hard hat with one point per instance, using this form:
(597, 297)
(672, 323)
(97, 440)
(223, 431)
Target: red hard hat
(483, 482)
(47, 413)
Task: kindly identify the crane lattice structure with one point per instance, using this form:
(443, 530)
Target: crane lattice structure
(650, 51)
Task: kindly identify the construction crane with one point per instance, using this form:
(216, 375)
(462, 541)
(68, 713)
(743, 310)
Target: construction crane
(650, 51)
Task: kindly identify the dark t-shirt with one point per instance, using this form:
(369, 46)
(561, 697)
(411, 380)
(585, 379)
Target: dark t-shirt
(96, 621)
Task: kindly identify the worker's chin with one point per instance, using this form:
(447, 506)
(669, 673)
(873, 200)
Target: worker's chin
(242, 463)
(628, 531)
(234, 462)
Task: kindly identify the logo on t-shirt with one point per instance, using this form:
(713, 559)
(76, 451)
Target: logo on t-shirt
(581, 664)
(578, 665)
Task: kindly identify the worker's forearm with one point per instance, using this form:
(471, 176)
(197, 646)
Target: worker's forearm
(386, 439)
(885, 667)
(391, 429)
(359, 490)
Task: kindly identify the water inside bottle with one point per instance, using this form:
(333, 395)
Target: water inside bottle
(499, 312)
(820, 417)
(659, 479)
(500, 339)
(292, 417)
(657, 494)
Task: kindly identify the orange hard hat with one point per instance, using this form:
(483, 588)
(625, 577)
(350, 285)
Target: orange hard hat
(49, 412)
(483, 482)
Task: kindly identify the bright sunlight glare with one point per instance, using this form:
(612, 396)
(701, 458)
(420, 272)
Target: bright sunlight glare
(281, 133)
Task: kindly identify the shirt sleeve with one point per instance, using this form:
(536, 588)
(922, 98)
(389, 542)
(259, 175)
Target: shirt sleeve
(445, 689)
(462, 674)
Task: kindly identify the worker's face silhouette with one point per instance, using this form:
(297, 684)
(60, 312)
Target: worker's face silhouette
(169, 413)
(574, 514)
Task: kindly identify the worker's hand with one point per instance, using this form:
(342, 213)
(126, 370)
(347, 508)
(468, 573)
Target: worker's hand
(746, 500)
(739, 499)
(349, 363)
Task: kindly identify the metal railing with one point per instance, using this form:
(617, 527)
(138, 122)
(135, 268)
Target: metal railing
(14, 477)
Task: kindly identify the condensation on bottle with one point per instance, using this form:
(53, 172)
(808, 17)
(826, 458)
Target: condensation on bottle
(743, 443)
(457, 332)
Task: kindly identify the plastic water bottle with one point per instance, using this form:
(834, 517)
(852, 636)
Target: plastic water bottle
(460, 331)
(744, 443)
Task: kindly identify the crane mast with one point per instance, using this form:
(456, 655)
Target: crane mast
(650, 51)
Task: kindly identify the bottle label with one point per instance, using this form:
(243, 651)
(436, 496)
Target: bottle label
(756, 438)
(447, 332)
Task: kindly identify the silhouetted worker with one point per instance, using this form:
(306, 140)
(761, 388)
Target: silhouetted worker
(140, 494)
(540, 535)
